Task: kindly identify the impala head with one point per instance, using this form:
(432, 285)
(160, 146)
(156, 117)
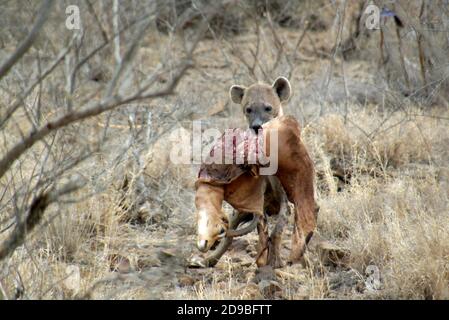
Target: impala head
(261, 102)
(211, 228)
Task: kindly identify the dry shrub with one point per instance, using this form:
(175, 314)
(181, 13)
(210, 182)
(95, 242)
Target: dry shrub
(376, 145)
(157, 159)
(396, 218)
(396, 227)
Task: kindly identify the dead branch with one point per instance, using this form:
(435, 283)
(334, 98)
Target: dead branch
(31, 87)
(92, 109)
(104, 34)
(35, 213)
(42, 16)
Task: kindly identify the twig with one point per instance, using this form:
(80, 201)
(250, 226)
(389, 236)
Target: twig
(35, 213)
(42, 16)
(115, 26)
(104, 34)
(31, 87)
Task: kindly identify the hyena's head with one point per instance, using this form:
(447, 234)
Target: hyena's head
(261, 102)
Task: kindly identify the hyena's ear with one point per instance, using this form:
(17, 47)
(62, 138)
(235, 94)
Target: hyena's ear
(282, 87)
(236, 93)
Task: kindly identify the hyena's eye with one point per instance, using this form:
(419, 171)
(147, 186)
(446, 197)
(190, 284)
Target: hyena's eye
(268, 108)
(248, 110)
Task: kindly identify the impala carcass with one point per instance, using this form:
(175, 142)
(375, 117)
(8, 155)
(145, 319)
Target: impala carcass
(236, 172)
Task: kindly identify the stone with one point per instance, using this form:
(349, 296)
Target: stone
(270, 288)
(148, 262)
(73, 280)
(196, 261)
(264, 273)
(119, 263)
(185, 280)
(251, 292)
(240, 245)
(331, 254)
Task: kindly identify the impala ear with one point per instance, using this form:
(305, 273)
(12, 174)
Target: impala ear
(236, 93)
(282, 88)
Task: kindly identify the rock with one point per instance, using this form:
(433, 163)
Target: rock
(222, 265)
(236, 260)
(240, 245)
(264, 273)
(249, 277)
(170, 256)
(252, 254)
(251, 292)
(185, 280)
(250, 247)
(246, 264)
(147, 262)
(346, 282)
(119, 263)
(331, 254)
(251, 250)
(196, 262)
(73, 279)
(270, 288)
(302, 293)
(169, 252)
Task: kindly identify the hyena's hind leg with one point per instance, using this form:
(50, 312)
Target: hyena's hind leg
(276, 204)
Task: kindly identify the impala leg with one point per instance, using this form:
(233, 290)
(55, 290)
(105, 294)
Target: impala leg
(264, 242)
(305, 222)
